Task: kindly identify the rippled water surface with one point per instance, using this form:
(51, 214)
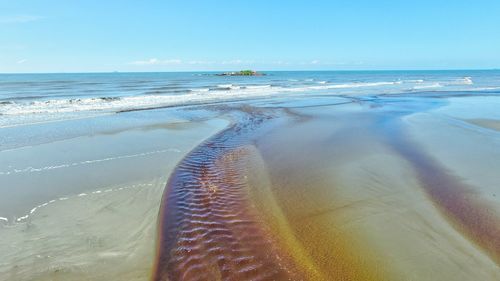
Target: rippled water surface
(330, 180)
(288, 176)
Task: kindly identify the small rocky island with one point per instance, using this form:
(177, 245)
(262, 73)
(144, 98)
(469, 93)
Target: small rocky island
(242, 73)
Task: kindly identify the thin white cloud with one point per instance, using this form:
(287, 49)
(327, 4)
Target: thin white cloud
(18, 19)
(328, 63)
(238, 61)
(280, 62)
(21, 61)
(201, 62)
(155, 61)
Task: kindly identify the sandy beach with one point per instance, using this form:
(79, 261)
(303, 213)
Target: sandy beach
(318, 187)
(93, 216)
(250, 140)
(366, 200)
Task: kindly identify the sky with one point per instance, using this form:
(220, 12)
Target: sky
(190, 35)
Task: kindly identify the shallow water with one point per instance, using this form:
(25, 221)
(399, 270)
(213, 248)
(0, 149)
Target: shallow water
(338, 175)
(85, 207)
(376, 181)
(39, 98)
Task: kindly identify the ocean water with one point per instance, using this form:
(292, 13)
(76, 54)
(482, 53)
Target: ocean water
(339, 175)
(34, 98)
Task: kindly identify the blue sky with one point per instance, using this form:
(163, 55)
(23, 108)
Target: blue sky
(90, 35)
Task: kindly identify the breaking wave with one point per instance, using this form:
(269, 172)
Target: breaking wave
(14, 108)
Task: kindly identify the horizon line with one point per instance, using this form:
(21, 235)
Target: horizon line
(222, 71)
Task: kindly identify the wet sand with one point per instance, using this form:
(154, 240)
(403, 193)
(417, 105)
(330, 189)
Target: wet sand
(486, 123)
(343, 188)
(93, 215)
(98, 236)
(345, 194)
(209, 227)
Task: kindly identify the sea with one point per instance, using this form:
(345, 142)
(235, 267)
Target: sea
(38, 98)
(334, 174)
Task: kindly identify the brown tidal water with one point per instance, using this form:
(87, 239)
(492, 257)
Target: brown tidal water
(209, 228)
(335, 192)
(457, 200)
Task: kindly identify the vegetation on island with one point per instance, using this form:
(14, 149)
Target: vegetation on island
(246, 72)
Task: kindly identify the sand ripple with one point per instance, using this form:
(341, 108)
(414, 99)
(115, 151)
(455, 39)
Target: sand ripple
(209, 228)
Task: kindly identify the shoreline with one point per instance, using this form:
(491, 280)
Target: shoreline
(105, 233)
(351, 202)
(302, 179)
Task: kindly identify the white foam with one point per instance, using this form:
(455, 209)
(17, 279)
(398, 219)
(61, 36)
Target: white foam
(429, 86)
(22, 218)
(414, 81)
(200, 90)
(20, 113)
(486, 89)
(253, 87)
(35, 209)
(65, 106)
(354, 85)
(86, 162)
(468, 81)
(462, 81)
